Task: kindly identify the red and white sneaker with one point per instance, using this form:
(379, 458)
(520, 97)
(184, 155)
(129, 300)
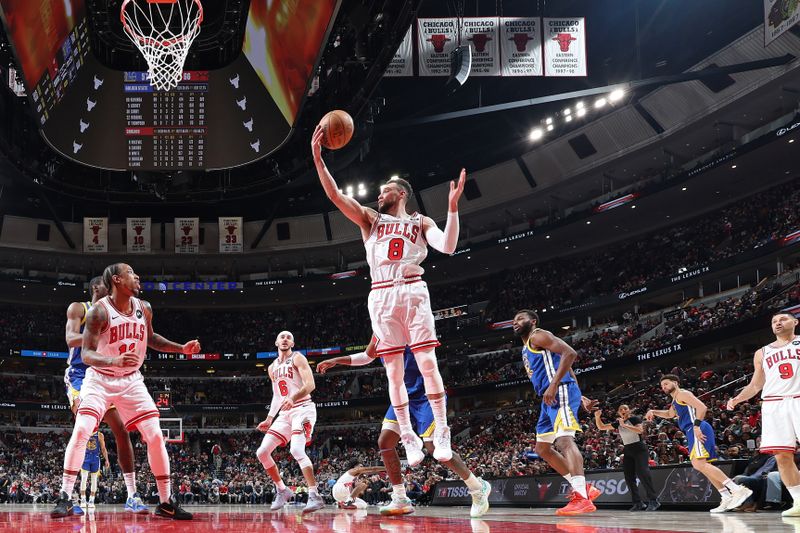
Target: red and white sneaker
(593, 492)
(577, 505)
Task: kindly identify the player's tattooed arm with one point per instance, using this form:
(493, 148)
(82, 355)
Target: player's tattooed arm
(96, 323)
(162, 344)
(73, 335)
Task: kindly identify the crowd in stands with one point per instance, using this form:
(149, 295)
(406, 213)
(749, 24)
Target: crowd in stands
(627, 265)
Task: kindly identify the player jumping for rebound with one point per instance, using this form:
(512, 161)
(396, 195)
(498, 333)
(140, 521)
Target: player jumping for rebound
(396, 243)
(292, 385)
(776, 376)
(119, 329)
(73, 379)
(422, 415)
(91, 467)
(548, 362)
(691, 414)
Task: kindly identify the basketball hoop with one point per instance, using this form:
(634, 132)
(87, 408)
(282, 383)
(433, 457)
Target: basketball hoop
(163, 31)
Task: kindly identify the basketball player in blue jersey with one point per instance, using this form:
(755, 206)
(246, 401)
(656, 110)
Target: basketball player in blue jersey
(691, 414)
(548, 362)
(91, 467)
(422, 419)
(73, 378)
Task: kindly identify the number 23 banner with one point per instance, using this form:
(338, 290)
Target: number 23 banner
(187, 235)
(230, 235)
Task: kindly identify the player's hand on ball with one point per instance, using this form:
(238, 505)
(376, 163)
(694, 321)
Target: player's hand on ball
(316, 142)
(191, 347)
(324, 366)
(456, 189)
(549, 396)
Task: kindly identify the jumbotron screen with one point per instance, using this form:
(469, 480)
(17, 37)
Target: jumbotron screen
(212, 120)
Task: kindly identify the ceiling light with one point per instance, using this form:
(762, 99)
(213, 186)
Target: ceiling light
(579, 105)
(547, 237)
(791, 141)
(633, 206)
(600, 103)
(581, 112)
(588, 222)
(536, 134)
(548, 120)
(568, 118)
(360, 185)
(733, 166)
(362, 192)
(567, 111)
(616, 95)
(395, 177)
(550, 127)
(683, 188)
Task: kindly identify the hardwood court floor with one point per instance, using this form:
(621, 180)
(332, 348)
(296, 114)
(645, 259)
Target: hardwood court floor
(252, 519)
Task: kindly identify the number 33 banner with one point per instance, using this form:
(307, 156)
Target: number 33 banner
(230, 235)
(138, 235)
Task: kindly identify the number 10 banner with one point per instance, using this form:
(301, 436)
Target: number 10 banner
(138, 235)
(230, 235)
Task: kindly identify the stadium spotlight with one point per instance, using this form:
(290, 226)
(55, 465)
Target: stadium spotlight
(616, 95)
(567, 112)
(600, 103)
(350, 191)
(581, 112)
(550, 127)
(579, 105)
(548, 120)
(568, 118)
(536, 134)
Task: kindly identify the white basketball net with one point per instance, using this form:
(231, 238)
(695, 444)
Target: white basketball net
(163, 31)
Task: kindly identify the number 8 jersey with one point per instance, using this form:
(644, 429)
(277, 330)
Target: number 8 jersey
(781, 367)
(125, 333)
(395, 248)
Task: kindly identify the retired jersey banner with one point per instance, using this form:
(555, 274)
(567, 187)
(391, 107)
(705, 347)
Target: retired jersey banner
(95, 234)
(779, 16)
(482, 34)
(521, 46)
(187, 235)
(436, 38)
(138, 235)
(230, 235)
(564, 46)
(402, 62)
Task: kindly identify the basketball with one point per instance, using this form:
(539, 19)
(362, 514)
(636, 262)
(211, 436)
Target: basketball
(337, 126)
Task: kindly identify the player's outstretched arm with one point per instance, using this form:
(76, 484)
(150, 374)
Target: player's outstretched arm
(755, 385)
(158, 342)
(446, 241)
(73, 335)
(660, 413)
(364, 217)
(357, 359)
(96, 322)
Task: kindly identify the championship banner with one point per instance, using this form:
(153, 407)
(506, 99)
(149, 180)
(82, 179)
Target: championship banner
(521, 46)
(187, 235)
(402, 62)
(138, 235)
(230, 235)
(564, 46)
(436, 38)
(483, 36)
(779, 16)
(95, 234)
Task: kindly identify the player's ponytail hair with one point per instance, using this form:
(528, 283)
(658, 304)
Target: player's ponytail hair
(108, 275)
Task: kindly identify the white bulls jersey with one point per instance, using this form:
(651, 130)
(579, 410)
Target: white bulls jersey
(396, 247)
(781, 368)
(286, 380)
(125, 333)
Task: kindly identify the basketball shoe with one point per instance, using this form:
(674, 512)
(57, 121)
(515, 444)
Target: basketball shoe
(315, 502)
(172, 510)
(134, 504)
(480, 499)
(413, 446)
(398, 506)
(282, 497)
(441, 444)
(577, 505)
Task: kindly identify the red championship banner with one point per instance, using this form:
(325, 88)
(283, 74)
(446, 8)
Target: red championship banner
(521, 46)
(564, 46)
(138, 232)
(436, 38)
(402, 62)
(483, 35)
(95, 234)
(230, 235)
(187, 235)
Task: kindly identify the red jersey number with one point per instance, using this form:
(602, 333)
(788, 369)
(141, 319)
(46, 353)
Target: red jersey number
(786, 370)
(396, 248)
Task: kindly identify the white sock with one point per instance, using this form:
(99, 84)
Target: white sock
(130, 483)
(724, 491)
(93, 487)
(472, 482)
(568, 477)
(312, 490)
(68, 483)
(84, 478)
(579, 485)
(403, 419)
(795, 492)
(730, 485)
(439, 408)
(399, 491)
(280, 485)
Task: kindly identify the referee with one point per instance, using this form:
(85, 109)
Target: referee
(635, 459)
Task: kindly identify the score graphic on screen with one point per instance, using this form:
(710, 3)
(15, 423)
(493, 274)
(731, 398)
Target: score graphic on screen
(163, 399)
